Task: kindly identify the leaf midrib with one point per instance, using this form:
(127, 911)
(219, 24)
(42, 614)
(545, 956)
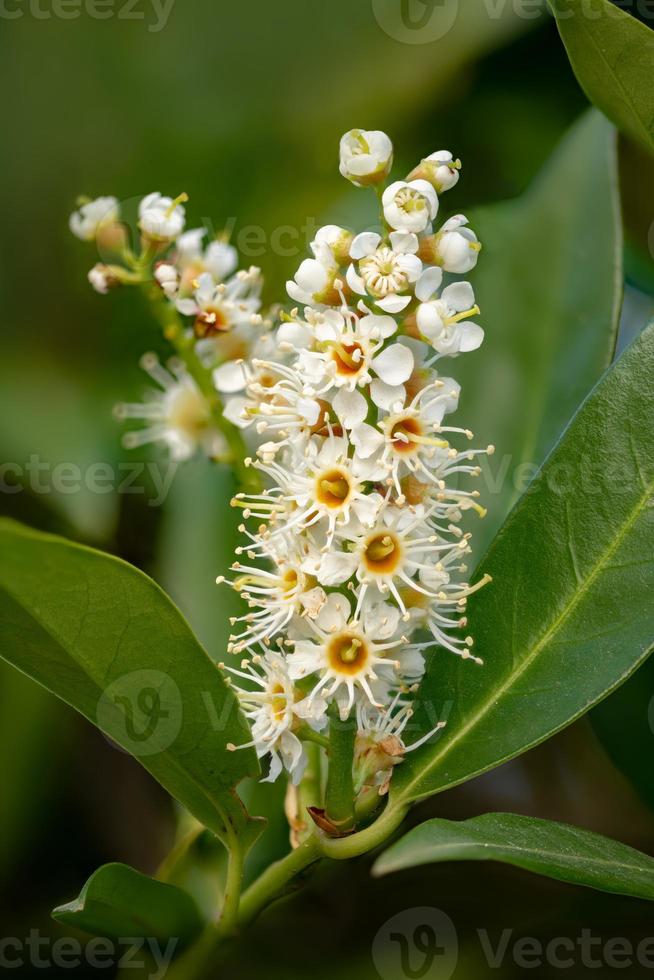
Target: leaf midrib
(537, 852)
(643, 501)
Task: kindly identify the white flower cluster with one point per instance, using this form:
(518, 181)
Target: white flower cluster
(355, 545)
(219, 307)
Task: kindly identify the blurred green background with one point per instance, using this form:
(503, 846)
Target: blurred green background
(242, 105)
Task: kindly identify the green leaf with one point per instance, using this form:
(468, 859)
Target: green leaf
(118, 901)
(553, 849)
(105, 638)
(549, 283)
(612, 55)
(568, 615)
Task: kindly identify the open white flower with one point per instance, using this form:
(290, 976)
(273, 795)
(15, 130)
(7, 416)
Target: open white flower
(179, 415)
(410, 205)
(347, 655)
(218, 258)
(443, 320)
(218, 307)
(274, 708)
(455, 248)
(161, 218)
(366, 156)
(92, 216)
(384, 271)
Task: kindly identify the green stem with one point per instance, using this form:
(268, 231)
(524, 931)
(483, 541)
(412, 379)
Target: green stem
(275, 879)
(228, 923)
(339, 796)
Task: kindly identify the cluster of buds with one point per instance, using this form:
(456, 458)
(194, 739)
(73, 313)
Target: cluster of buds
(353, 549)
(211, 311)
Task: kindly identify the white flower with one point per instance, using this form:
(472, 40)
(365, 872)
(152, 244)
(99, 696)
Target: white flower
(162, 218)
(90, 217)
(219, 258)
(455, 248)
(383, 271)
(410, 205)
(443, 321)
(274, 709)
(336, 240)
(278, 593)
(179, 414)
(348, 656)
(366, 156)
(218, 307)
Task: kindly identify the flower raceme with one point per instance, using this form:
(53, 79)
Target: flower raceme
(353, 562)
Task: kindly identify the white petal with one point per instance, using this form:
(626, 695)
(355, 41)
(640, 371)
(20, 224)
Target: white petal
(354, 281)
(428, 283)
(364, 244)
(334, 614)
(471, 336)
(459, 296)
(351, 407)
(380, 325)
(429, 321)
(387, 396)
(335, 568)
(295, 334)
(394, 365)
(404, 241)
(230, 377)
(366, 440)
(188, 307)
(393, 303)
(233, 412)
(311, 276)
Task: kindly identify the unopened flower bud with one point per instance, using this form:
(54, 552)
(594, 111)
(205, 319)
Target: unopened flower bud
(161, 219)
(366, 157)
(439, 169)
(92, 216)
(102, 278)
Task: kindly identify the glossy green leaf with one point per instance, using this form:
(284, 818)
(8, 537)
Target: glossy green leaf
(612, 55)
(549, 284)
(106, 639)
(553, 849)
(118, 901)
(568, 615)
